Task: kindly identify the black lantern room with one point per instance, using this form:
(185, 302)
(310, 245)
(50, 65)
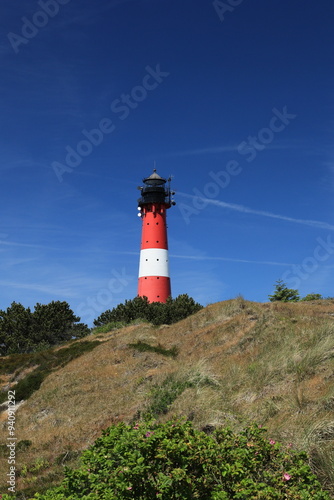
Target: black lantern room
(155, 191)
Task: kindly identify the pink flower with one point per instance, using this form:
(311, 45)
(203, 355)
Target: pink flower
(129, 488)
(148, 434)
(286, 477)
(272, 441)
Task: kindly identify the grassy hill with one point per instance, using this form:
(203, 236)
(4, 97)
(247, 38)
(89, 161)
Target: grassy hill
(231, 363)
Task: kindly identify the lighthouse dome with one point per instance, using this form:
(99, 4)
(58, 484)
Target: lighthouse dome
(154, 191)
(154, 179)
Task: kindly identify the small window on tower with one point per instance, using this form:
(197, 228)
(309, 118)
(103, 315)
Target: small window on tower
(146, 260)
(157, 259)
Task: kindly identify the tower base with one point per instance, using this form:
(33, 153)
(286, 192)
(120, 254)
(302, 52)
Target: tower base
(155, 288)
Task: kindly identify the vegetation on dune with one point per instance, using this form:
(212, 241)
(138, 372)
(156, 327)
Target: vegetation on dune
(157, 313)
(284, 294)
(164, 394)
(312, 296)
(44, 362)
(24, 331)
(173, 460)
(159, 349)
(232, 363)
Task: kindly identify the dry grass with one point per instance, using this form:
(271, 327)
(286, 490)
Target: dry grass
(237, 362)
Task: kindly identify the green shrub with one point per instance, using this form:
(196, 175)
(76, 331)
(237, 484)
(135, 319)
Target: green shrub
(157, 313)
(47, 361)
(28, 385)
(51, 359)
(312, 296)
(106, 328)
(13, 362)
(164, 395)
(284, 294)
(144, 347)
(174, 461)
(23, 445)
(66, 354)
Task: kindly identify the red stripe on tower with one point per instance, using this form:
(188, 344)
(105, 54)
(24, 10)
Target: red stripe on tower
(154, 280)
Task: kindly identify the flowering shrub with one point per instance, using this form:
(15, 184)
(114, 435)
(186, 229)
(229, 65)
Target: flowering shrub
(174, 461)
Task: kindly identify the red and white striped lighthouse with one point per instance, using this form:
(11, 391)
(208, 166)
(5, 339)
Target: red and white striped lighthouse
(154, 280)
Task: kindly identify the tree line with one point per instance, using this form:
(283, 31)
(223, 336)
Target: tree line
(284, 294)
(23, 330)
(157, 313)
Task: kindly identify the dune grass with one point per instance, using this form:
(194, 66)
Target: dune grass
(232, 363)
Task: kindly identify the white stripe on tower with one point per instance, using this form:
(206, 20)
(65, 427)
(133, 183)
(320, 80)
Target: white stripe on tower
(153, 262)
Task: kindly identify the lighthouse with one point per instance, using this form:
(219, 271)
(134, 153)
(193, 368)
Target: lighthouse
(154, 279)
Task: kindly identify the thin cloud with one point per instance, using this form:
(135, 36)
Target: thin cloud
(223, 149)
(89, 15)
(51, 290)
(247, 210)
(228, 259)
(12, 262)
(217, 149)
(26, 245)
(9, 164)
(70, 286)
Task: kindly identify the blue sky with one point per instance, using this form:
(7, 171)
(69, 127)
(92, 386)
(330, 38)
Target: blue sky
(232, 98)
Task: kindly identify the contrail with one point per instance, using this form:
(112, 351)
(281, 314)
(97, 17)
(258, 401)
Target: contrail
(247, 210)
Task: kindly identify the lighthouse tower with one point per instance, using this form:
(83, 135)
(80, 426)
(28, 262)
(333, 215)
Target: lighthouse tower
(154, 280)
